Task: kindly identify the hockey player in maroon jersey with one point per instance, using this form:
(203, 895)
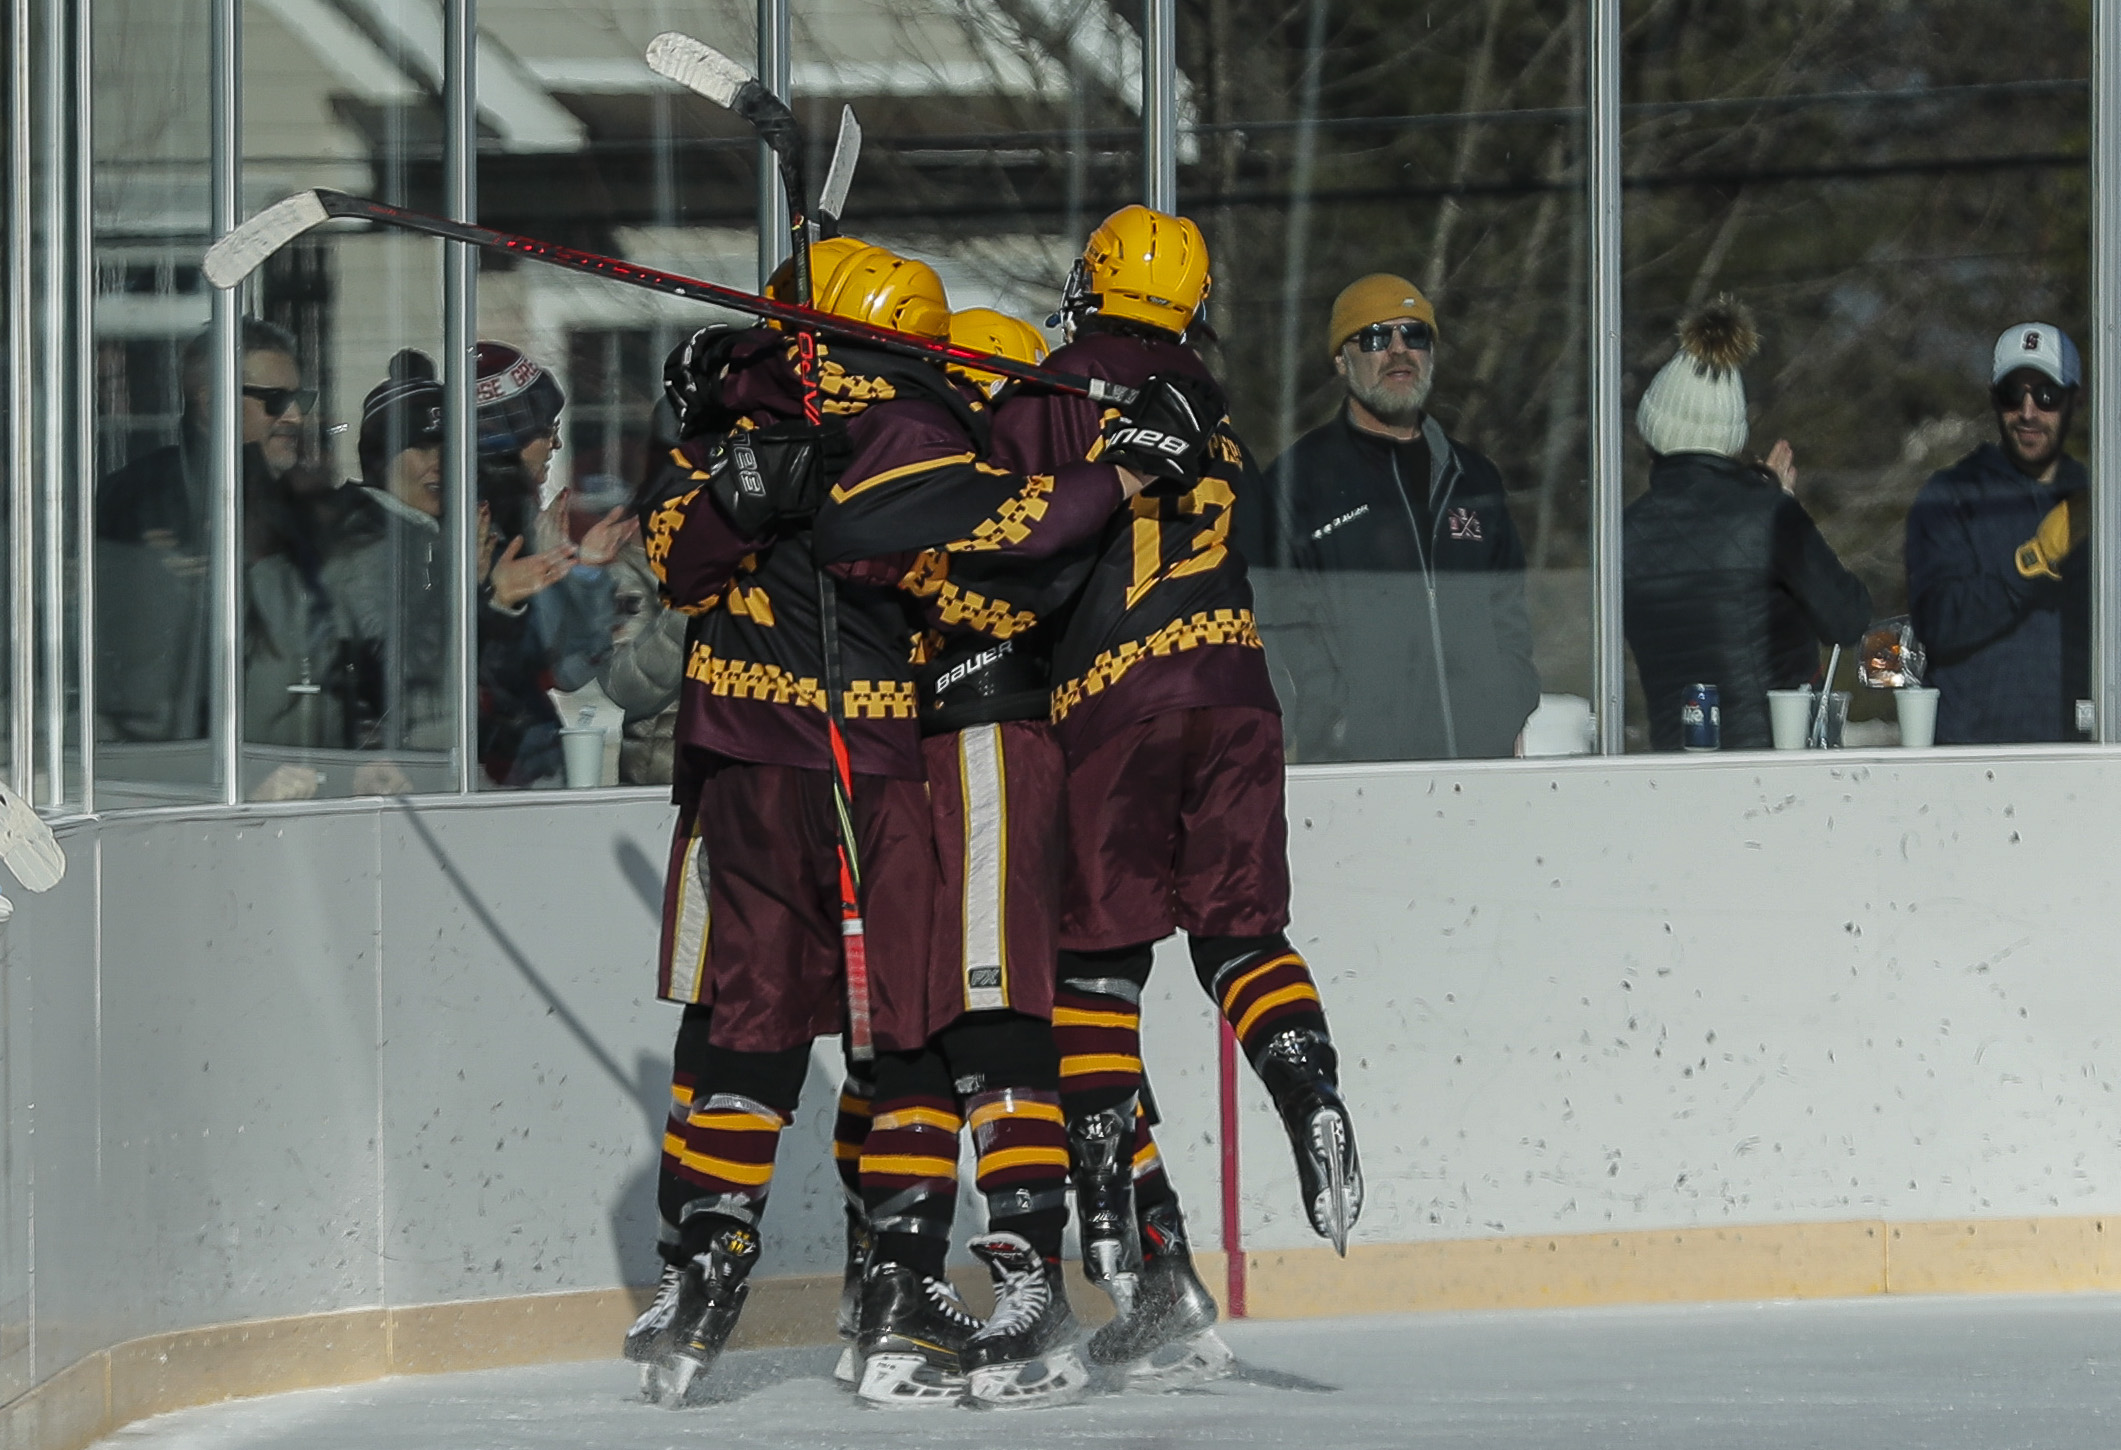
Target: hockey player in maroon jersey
(982, 556)
(753, 777)
(1172, 735)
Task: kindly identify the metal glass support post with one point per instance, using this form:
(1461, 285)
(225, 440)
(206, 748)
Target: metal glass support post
(1160, 104)
(460, 301)
(53, 292)
(776, 69)
(1602, 171)
(226, 163)
(83, 403)
(2105, 380)
(21, 519)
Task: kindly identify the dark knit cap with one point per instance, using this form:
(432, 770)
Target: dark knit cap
(517, 400)
(403, 411)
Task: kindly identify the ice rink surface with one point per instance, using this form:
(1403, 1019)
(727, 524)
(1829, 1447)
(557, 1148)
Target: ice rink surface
(1993, 1373)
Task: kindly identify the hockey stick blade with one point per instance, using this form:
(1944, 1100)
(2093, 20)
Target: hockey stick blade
(245, 249)
(846, 153)
(27, 845)
(698, 67)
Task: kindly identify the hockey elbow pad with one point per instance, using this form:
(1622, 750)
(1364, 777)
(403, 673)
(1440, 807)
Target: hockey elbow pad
(1165, 432)
(760, 477)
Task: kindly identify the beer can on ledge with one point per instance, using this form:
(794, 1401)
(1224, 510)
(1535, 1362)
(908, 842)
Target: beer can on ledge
(1700, 719)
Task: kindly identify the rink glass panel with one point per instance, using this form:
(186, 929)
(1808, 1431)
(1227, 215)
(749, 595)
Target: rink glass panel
(157, 727)
(1322, 143)
(580, 142)
(1887, 188)
(348, 684)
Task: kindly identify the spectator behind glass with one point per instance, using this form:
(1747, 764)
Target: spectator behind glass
(567, 630)
(1420, 571)
(646, 666)
(388, 579)
(1726, 579)
(1996, 587)
(154, 538)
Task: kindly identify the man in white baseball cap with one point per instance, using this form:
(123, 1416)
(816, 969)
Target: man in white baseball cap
(1997, 579)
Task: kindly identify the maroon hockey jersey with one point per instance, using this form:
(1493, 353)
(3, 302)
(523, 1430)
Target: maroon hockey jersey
(1165, 619)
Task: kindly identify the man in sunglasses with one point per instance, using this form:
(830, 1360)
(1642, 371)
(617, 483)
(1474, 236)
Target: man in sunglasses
(1997, 572)
(154, 530)
(1413, 566)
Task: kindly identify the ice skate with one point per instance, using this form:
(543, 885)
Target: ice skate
(848, 1372)
(711, 1294)
(653, 1335)
(913, 1330)
(1300, 1070)
(1169, 1341)
(1024, 1356)
(1098, 1145)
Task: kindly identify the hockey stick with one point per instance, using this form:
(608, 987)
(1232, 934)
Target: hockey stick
(245, 249)
(705, 71)
(832, 196)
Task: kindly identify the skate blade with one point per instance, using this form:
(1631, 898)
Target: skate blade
(1058, 1377)
(1333, 1214)
(908, 1382)
(1182, 1364)
(848, 1372)
(652, 1383)
(686, 1383)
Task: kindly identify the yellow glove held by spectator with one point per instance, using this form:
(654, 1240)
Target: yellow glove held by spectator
(2065, 527)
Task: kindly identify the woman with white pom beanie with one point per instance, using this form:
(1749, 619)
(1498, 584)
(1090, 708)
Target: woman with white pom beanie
(1726, 579)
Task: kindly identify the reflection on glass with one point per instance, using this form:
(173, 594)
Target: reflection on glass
(154, 498)
(1395, 214)
(1888, 189)
(346, 570)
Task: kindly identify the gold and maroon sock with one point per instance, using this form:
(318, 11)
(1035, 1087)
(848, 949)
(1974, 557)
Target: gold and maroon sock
(1022, 1142)
(1261, 984)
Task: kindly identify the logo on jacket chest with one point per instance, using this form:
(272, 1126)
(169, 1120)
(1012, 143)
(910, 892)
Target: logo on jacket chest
(1464, 523)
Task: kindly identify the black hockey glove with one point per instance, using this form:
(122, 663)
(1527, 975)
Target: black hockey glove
(1165, 432)
(691, 375)
(761, 477)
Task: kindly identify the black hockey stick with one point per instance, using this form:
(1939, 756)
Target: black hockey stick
(705, 71)
(245, 249)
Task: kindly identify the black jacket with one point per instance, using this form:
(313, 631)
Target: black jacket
(2010, 656)
(1728, 582)
(1418, 643)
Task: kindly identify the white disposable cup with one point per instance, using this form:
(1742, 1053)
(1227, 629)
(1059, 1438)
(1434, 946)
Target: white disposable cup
(584, 751)
(1917, 707)
(1789, 716)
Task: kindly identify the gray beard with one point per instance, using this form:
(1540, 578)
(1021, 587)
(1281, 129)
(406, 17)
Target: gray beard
(1391, 407)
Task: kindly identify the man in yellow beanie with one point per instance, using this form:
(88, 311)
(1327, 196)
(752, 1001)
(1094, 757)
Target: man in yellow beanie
(1417, 567)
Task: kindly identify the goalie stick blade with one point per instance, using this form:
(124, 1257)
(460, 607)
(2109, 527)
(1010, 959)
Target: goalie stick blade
(698, 67)
(245, 249)
(846, 152)
(26, 844)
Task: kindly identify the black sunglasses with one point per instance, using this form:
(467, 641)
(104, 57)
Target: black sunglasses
(1378, 336)
(2047, 395)
(276, 400)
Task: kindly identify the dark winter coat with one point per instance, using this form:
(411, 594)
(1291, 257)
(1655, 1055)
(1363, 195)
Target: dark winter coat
(1415, 598)
(1727, 582)
(2010, 656)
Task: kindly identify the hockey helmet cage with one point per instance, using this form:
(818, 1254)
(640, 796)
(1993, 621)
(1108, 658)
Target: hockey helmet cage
(1142, 265)
(867, 283)
(986, 330)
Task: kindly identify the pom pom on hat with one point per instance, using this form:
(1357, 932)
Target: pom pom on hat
(1696, 403)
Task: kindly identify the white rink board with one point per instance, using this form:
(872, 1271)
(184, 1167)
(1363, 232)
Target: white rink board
(1937, 1374)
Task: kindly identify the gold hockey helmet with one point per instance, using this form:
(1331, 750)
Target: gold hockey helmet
(1142, 265)
(997, 332)
(868, 283)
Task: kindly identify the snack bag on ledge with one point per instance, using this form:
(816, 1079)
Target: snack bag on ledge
(1891, 657)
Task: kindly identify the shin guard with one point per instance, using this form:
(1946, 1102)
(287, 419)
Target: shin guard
(909, 1178)
(1261, 984)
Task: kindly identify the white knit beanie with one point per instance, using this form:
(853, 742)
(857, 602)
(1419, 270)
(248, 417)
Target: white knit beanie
(1696, 403)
